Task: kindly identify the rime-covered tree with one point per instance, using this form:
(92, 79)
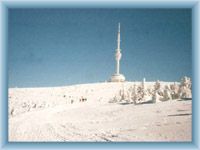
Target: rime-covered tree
(185, 88)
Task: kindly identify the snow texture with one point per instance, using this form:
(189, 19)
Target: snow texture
(128, 111)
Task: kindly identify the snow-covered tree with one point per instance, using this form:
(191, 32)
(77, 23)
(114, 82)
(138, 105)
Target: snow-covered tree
(185, 88)
(174, 91)
(167, 93)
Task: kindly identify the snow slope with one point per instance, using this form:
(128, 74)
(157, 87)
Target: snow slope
(56, 114)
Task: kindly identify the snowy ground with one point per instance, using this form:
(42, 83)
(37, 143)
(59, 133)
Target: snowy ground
(55, 114)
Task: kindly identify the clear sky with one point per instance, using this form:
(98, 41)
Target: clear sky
(58, 47)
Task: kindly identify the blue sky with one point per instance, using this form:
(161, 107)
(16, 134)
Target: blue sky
(57, 47)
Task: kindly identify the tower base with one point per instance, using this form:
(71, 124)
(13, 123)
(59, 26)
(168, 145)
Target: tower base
(117, 78)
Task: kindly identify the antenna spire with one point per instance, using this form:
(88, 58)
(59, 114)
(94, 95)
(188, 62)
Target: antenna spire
(118, 38)
(119, 27)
